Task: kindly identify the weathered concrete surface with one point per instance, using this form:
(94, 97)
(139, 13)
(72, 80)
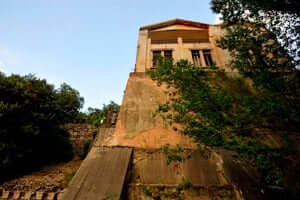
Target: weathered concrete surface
(137, 192)
(150, 167)
(201, 171)
(104, 134)
(136, 125)
(101, 175)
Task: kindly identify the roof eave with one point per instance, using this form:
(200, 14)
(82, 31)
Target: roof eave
(173, 22)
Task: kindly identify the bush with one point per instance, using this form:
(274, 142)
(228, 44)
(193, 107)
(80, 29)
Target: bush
(32, 113)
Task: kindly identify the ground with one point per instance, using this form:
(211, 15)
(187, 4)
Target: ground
(53, 178)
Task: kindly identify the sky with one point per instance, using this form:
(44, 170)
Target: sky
(88, 44)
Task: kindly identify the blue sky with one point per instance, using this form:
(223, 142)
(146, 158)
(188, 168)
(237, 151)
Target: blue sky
(89, 44)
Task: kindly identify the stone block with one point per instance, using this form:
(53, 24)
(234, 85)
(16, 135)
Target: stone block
(16, 195)
(39, 195)
(51, 196)
(5, 195)
(28, 195)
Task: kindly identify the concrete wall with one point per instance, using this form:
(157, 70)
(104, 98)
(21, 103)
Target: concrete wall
(137, 125)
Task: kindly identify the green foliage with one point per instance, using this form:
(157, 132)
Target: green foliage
(219, 111)
(174, 154)
(147, 191)
(69, 178)
(282, 18)
(97, 117)
(257, 55)
(32, 113)
(162, 192)
(183, 185)
(263, 40)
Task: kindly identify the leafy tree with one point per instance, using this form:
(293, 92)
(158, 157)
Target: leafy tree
(219, 111)
(96, 116)
(263, 38)
(32, 113)
(279, 17)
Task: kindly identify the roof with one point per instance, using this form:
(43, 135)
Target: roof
(175, 22)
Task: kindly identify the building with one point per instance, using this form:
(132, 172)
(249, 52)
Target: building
(128, 161)
(180, 39)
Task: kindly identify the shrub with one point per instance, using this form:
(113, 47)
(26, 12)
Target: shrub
(32, 113)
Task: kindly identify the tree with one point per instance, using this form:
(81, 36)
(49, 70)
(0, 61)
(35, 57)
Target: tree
(219, 111)
(32, 113)
(98, 117)
(263, 38)
(280, 17)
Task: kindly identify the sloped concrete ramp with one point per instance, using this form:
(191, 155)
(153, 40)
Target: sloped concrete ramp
(101, 175)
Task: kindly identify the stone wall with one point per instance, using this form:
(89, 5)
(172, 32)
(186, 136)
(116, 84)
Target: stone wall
(29, 195)
(81, 134)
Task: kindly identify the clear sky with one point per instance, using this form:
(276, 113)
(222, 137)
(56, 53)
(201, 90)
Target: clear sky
(89, 44)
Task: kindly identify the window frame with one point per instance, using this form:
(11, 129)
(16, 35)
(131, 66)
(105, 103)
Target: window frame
(162, 53)
(207, 57)
(197, 62)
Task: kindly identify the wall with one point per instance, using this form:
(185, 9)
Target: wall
(180, 48)
(80, 134)
(137, 125)
(29, 195)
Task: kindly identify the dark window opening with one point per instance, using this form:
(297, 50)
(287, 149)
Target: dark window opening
(168, 54)
(207, 57)
(155, 57)
(196, 57)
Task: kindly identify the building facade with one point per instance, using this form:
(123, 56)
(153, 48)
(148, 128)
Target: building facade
(180, 39)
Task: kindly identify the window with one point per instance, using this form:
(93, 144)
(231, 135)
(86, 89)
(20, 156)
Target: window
(166, 53)
(207, 57)
(155, 56)
(196, 57)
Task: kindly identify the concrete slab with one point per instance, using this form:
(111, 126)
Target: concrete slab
(200, 171)
(152, 168)
(101, 175)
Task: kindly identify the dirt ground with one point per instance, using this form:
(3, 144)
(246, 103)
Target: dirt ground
(52, 178)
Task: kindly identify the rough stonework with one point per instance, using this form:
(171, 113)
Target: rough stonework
(80, 134)
(29, 195)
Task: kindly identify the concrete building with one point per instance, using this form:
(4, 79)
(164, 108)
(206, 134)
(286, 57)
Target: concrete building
(180, 39)
(128, 161)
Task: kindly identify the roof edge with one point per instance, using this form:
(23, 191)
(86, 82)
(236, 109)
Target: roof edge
(175, 21)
